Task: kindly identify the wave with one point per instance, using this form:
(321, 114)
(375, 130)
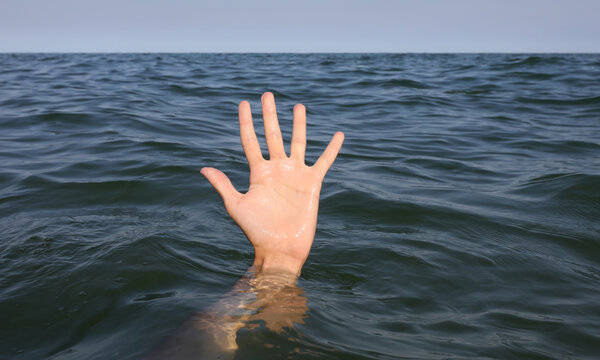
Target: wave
(593, 100)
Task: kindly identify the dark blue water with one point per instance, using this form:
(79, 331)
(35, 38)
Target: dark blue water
(461, 219)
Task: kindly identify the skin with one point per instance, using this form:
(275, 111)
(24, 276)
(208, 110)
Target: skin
(278, 214)
(265, 298)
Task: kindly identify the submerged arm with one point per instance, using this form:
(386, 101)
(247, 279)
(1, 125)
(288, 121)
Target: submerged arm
(272, 299)
(278, 215)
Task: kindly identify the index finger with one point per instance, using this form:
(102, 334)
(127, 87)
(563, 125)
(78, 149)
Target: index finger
(248, 135)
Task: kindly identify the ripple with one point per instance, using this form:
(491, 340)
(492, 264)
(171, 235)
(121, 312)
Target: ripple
(594, 100)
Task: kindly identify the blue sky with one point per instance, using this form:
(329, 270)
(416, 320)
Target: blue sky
(299, 26)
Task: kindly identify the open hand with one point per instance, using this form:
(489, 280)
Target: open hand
(278, 214)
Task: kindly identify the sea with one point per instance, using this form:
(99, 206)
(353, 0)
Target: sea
(461, 219)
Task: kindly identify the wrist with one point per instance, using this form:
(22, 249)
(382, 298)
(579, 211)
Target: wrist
(277, 262)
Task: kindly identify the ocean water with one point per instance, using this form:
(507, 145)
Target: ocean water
(460, 220)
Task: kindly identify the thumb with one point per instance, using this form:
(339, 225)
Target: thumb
(222, 184)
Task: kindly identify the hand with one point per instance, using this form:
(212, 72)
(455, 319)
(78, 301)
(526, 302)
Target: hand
(278, 214)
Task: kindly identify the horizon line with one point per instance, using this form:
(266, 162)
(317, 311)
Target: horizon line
(301, 52)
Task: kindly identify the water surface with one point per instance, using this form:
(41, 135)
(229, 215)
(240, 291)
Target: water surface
(459, 221)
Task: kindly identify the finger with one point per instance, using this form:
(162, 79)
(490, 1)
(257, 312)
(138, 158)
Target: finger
(248, 135)
(330, 153)
(298, 146)
(222, 184)
(272, 132)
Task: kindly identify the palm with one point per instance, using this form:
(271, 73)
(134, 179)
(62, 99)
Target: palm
(280, 207)
(278, 214)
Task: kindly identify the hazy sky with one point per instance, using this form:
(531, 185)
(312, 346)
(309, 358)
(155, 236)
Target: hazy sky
(300, 26)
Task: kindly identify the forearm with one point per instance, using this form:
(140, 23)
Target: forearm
(265, 295)
(278, 215)
(212, 332)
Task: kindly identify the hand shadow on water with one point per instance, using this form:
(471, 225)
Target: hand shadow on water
(257, 301)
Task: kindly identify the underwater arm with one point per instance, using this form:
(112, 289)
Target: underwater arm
(278, 215)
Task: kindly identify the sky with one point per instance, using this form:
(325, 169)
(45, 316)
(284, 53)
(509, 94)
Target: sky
(299, 26)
